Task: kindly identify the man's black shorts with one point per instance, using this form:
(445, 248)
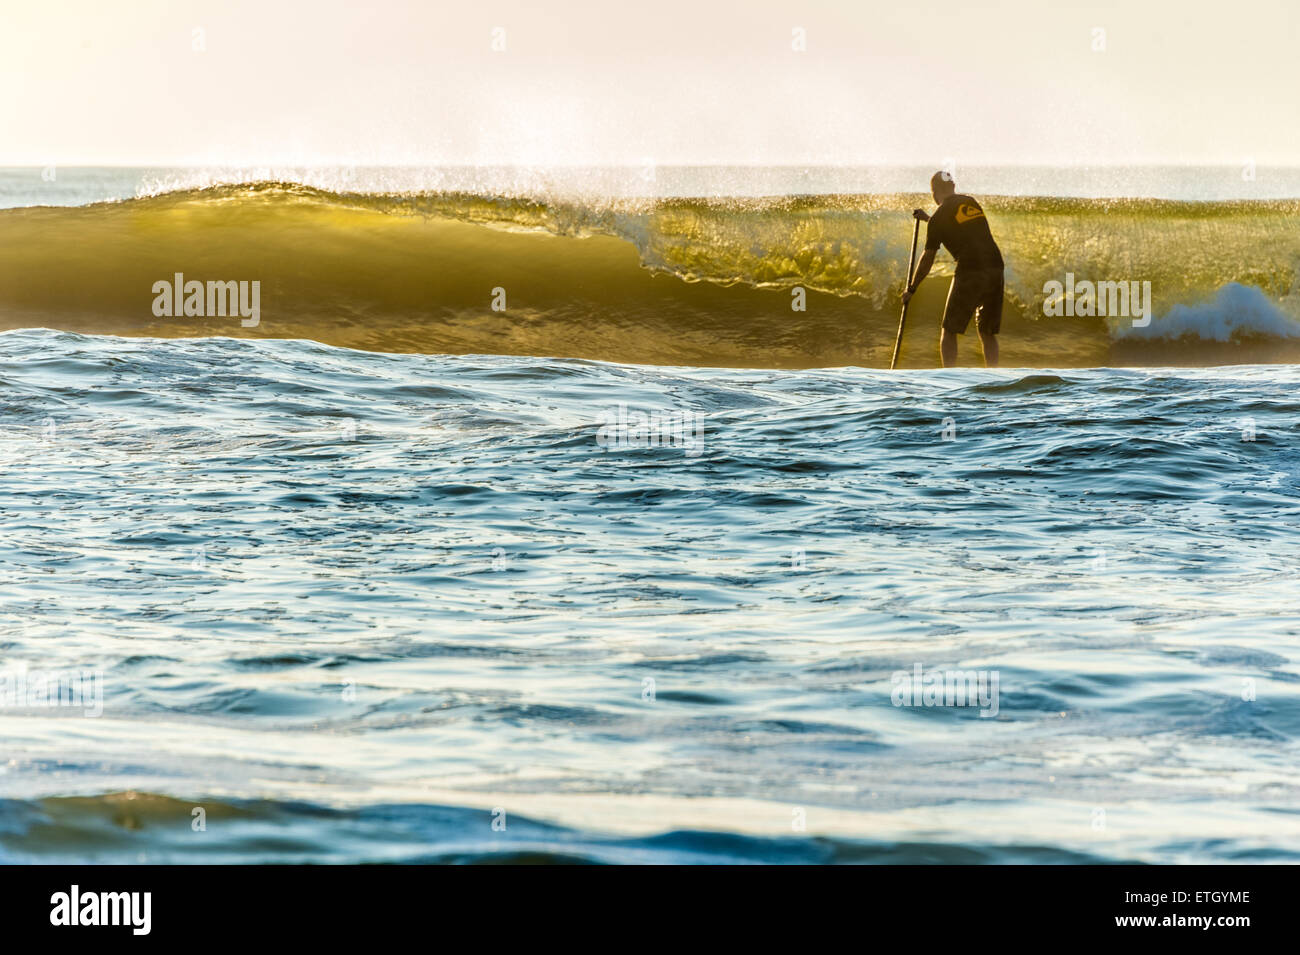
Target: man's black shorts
(977, 289)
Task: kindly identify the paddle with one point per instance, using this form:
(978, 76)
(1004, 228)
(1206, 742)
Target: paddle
(920, 216)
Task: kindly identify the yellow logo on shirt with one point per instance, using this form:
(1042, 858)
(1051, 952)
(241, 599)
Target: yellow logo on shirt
(966, 212)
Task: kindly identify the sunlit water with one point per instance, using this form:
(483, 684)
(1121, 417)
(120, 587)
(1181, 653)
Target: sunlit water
(362, 607)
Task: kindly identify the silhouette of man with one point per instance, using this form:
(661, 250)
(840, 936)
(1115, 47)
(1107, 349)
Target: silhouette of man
(960, 226)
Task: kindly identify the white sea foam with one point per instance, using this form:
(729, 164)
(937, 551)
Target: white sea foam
(1236, 311)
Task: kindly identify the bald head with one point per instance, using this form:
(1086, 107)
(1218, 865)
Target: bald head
(941, 185)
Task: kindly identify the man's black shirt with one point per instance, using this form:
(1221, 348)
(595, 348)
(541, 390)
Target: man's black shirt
(960, 225)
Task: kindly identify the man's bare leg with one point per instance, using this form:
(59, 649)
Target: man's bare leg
(989, 342)
(948, 348)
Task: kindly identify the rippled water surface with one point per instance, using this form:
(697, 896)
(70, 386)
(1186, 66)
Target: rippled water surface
(360, 607)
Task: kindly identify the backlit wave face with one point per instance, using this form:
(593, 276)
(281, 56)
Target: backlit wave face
(780, 282)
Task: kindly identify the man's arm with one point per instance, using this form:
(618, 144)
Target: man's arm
(922, 270)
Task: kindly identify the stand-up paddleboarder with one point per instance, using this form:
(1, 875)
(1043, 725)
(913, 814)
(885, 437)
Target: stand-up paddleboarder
(960, 226)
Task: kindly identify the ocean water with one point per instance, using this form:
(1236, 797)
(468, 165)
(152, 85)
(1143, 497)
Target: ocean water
(359, 606)
(647, 565)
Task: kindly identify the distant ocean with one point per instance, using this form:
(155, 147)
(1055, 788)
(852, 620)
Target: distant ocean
(532, 521)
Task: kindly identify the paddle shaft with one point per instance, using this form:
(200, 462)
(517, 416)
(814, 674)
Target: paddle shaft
(902, 319)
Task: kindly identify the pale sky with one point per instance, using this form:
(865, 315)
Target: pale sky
(605, 82)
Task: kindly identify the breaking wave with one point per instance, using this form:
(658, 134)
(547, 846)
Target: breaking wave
(657, 281)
